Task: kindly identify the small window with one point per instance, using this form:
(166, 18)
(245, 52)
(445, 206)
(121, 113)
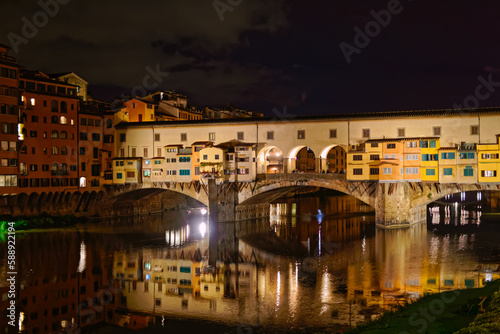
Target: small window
(333, 133)
(211, 136)
(474, 130)
(241, 135)
(387, 171)
(183, 136)
(430, 172)
(391, 145)
(270, 135)
(123, 137)
(301, 134)
(374, 171)
(401, 132)
(436, 131)
(448, 171)
(357, 171)
(157, 137)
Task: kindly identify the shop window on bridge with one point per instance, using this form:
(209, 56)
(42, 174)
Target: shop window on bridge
(430, 172)
(147, 172)
(391, 145)
(374, 171)
(184, 172)
(424, 144)
(130, 174)
(468, 171)
(357, 157)
(431, 281)
(448, 171)
(357, 171)
(119, 163)
(186, 270)
(488, 173)
(448, 155)
(467, 155)
(119, 176)
(411, 144)
(387, 171)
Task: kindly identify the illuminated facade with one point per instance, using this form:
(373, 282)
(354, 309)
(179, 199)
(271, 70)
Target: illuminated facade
(10, 136)
(49, 155)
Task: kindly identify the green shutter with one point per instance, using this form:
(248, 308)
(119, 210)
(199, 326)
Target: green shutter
(432, 143)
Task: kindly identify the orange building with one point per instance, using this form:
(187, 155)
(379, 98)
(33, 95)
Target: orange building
(90, 149)
(48, 156)
(9, 110)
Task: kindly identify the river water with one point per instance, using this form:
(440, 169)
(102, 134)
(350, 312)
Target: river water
(317, 264)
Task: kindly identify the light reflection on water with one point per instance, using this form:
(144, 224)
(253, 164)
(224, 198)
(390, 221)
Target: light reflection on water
(342, 270)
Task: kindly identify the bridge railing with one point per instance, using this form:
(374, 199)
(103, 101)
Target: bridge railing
(300, 176)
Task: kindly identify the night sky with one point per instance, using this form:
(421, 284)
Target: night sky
(267, 54)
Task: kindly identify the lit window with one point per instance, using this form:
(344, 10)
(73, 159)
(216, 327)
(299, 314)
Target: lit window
(83, 182)
(32, 101)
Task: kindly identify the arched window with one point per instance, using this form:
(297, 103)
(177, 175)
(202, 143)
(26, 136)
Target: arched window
(63, 120)
(54, 106)
(109, 124)
(54, 134)
(55, 150)
(64, 135)
(64, 107)
(54, 120)
(24, 149)
(64, 168)
(64, 150)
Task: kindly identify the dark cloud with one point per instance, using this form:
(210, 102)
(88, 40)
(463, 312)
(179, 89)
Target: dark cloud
(267, 54)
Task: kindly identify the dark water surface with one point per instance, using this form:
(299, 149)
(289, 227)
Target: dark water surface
(301, 270)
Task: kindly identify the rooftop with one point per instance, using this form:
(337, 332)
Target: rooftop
(339, 117)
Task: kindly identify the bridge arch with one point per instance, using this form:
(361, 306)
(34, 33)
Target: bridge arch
(301, 160)
(285, 186)
(333, 162)
(270, 160)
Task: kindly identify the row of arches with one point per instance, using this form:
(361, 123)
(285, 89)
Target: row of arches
(331, 159)
(51, 202)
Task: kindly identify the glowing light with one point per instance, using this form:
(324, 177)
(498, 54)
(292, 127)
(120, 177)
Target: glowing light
(203, 211)
(203, 229)
(148, 277)
(278, 288)
(21, 320)
(83, 258)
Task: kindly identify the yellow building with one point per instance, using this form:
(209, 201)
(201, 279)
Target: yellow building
(467, 163)
(127, 170)
(448, 165)
(429, 149)
(489, 162)
(363, 161)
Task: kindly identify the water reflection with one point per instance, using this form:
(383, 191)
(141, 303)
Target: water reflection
(294, 270)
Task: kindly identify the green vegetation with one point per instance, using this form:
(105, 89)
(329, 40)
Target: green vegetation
(488, 322)
(42, 221)
(446, 312)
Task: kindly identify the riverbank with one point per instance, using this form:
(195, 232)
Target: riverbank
(446, 312)
(43, 221)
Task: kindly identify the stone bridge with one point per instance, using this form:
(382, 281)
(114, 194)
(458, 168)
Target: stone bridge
(396, 204)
